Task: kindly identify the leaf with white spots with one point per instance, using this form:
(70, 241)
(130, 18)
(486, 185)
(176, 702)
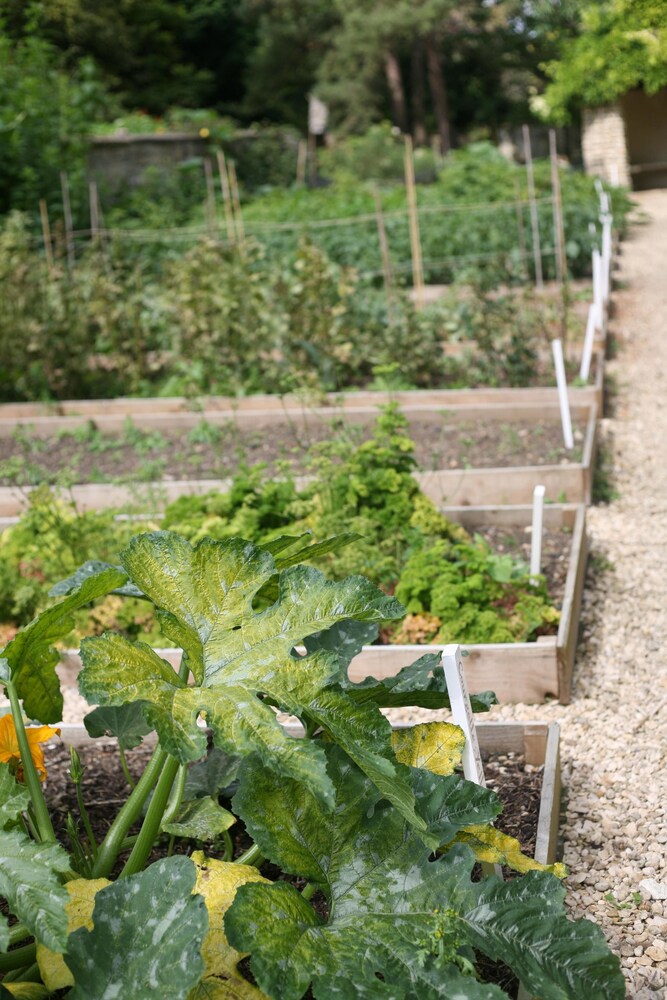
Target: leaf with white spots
(31, 882)
(401, 923)
(146, 940)
(79, 910)
(200, 819)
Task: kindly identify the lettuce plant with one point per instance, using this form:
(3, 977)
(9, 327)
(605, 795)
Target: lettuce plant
(375, 833)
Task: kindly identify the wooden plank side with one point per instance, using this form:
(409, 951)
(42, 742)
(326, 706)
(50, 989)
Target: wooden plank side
(110, 420)
(568, 631)
(512, 485)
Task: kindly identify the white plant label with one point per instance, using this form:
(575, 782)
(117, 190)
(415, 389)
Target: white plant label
(589, 340)
(563, 400)
(462, 712)
(536, 534)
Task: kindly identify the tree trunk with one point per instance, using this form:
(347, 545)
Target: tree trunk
(395, 83)
(436, 83)
(417, 93)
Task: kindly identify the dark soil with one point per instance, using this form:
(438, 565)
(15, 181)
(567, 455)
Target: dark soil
(105, 789)
(556, 547)
(211, 452)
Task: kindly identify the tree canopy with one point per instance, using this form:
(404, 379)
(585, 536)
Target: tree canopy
(622, 44)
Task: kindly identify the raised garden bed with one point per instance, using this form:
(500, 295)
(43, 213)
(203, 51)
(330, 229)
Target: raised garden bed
(471, 454)
(522, 764)
(526, 672)
(159, 413)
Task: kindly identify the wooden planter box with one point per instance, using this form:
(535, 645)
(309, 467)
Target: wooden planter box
(178, 412)
(526, 672)
(571, 482)
(539, 742)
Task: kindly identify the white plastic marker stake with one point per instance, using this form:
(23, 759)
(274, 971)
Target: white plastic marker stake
(459, 698)
(566, 420)
(457, 689)
(606, 257)
(536, 535)
(597, 290)
(589, 340)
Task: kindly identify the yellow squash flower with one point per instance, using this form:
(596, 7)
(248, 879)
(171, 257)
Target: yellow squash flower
(9, 745)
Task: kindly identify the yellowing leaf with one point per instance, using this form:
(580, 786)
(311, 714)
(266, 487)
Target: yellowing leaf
(27, 991)
(434, 746)
(217, 882)
(79, 909)
(491, 846)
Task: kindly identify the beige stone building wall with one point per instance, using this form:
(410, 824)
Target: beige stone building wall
(603, 144)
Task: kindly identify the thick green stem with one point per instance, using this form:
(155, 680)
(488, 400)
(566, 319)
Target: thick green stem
(18, 958)
(18, 933)
(250, 857)
(126, 771)
(42, 818)
(171, 811)
(229, 846)
(309, 890)
(112, 844)
(152, 820)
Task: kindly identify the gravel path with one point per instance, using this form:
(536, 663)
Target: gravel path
(614, 734)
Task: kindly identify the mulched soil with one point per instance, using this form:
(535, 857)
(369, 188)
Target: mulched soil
(205, 454)
(105, 789)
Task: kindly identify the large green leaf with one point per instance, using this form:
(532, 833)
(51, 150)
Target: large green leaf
(14, 797)
(422, 684)
(30, 881)
(400, 924)
(200, 819)
(146, 940)
(243, 661)
(30, 659)
(125, 722)
(92, 568)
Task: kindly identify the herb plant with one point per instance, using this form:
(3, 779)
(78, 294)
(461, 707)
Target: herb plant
(378, 825)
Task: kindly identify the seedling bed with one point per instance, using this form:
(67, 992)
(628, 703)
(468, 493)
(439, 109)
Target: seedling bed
(526, 672)
(471, 454)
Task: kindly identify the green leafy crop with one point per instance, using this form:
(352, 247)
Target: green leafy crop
(378, 824)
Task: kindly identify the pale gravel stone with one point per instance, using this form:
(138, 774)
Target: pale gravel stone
(614, 734)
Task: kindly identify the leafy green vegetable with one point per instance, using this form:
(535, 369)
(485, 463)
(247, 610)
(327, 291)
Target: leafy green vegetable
(157, 927)
(30, 659)
(126, 722)
(30, 881)
(417, 918)
(242, 661)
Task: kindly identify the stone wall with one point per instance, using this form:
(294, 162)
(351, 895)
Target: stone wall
(603, 144)
(119, 161)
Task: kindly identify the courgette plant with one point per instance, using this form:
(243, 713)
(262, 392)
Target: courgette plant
(377, 830)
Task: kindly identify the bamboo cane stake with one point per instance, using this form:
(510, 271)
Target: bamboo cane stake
(534, 221)
(519, 223)
(67, 213)
(94, 212)
(236, 202)
(384, 250)
(301, 161)
(561, 264)
(415, 242)
(226, 196)
(210, 196)
(46, 234)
